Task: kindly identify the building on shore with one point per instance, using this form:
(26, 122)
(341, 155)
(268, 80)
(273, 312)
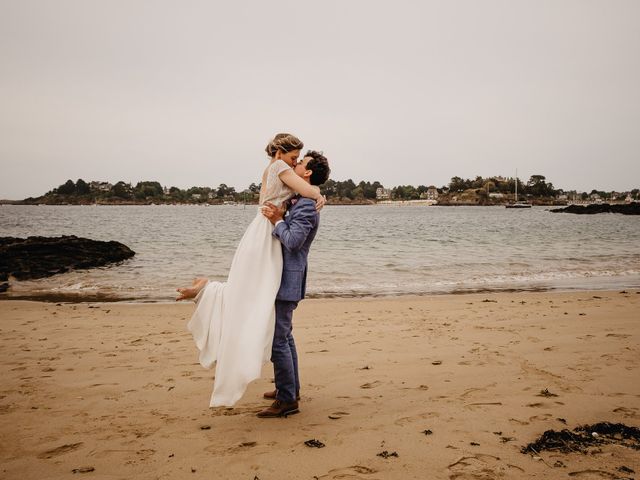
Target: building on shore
(101, 186)
(432, 193)
(383, 193)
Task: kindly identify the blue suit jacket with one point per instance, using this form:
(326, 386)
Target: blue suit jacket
(296, 233)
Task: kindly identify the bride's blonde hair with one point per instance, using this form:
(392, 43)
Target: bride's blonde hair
(285, 142)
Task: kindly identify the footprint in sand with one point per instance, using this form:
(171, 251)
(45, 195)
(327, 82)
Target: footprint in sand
(419, 387)
(592, 474)
(408, 420)
(354, 472)
(152, 385)
(473, 406)
(628, 412)
(618, 335)
(480, 467)
(471, 391)
(542, 418)
(368, 385)
(61, 450)
(338, 415)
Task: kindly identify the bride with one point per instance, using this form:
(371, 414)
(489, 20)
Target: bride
(234, 321)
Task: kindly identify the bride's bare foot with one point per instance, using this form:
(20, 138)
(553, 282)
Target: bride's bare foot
(188, 293)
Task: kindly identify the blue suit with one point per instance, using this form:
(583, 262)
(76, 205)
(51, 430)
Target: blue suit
(296, 233)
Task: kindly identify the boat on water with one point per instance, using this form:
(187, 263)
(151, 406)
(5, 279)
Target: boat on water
(518, 204)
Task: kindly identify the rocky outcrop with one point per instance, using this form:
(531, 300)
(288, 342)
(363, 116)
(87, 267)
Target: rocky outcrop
(625, 209)
(39, 257)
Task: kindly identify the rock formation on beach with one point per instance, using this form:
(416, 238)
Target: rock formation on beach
(625, 209)
(39, 257)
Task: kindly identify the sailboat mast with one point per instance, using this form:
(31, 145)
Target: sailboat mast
(516, 185)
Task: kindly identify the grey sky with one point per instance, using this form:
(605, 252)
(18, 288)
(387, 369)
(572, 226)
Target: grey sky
(404, 92)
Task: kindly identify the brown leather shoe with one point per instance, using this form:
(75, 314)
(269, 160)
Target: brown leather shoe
(279, 409)
(272, 395)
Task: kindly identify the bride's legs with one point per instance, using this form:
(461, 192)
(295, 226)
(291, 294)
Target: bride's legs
(188, 293)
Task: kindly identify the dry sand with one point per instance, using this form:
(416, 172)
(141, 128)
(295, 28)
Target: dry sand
(117, 387)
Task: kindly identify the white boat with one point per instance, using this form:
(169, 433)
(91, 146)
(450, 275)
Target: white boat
(518, 204)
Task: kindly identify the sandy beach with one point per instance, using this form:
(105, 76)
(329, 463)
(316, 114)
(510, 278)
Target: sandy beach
(114, 390)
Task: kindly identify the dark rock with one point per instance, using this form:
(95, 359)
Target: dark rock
(40, 257)
(314, 443)
(4, 287)
(625, 209)
(83, 470)
(387, 454)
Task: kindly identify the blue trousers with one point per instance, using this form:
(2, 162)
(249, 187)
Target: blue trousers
(284, 355)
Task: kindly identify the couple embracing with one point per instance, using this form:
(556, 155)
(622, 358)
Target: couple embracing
(240, 324)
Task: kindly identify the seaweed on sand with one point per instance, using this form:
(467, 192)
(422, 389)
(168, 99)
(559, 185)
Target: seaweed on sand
(585, 436)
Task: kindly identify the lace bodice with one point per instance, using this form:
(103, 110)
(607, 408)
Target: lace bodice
(274, 190)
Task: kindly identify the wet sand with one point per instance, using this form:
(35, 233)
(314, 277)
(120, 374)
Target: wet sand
(448, 386)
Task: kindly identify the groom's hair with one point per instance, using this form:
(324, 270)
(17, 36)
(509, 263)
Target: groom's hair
(319, 166)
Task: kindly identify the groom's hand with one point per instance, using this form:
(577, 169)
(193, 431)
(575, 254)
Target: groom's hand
(273, 213)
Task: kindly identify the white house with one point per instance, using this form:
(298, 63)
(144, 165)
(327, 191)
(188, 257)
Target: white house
(101, 186)
(383, 193)
(432, 193)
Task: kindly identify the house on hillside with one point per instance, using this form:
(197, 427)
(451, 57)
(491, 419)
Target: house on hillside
(432, 193)
(383, 193)
(101, 186)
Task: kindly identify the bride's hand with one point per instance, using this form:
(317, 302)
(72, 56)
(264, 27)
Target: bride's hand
(320, 202)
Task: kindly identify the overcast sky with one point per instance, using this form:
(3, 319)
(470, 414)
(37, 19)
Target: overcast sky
(404, 92)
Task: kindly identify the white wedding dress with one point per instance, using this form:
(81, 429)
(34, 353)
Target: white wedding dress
(234, 321)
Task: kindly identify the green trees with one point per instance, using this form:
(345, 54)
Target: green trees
(346, 191)
(405, 192)
(538, 187)
(144, 190)
(329, 189)
(67, 188)
(122, 190)
(225, 192)
(82, 187)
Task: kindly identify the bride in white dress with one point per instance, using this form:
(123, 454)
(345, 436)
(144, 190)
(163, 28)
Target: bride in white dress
(234, 321)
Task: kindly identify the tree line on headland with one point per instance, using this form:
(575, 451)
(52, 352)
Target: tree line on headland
(459, 191)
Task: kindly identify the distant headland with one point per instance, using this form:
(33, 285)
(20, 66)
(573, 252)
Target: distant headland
(495, 190)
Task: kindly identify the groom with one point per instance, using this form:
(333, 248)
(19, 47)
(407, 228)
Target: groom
(295, 230)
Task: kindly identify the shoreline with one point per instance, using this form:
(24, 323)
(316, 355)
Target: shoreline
(73, 298)
(116, 387)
